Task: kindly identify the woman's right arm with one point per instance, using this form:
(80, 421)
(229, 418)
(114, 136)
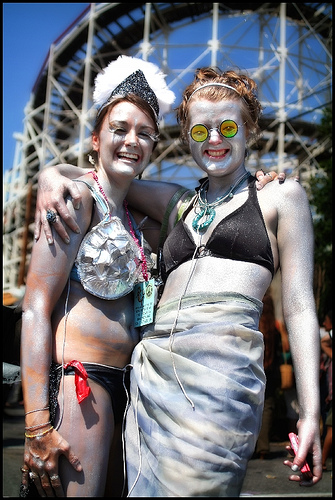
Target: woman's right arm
(148, 197)
(54, 183)
(43, 443)
(47, 277)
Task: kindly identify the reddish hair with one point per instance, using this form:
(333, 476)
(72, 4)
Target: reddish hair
(245, 92)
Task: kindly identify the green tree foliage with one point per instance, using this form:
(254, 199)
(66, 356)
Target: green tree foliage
(320, 192)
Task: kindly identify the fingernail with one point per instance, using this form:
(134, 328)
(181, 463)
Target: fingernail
(50, 241)
(78, 231)
(67, 240)
(77, 206)
(294, 468)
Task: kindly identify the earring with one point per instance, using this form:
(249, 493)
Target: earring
(91, 159)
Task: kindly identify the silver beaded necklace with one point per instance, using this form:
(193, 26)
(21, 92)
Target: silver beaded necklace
(207, 209)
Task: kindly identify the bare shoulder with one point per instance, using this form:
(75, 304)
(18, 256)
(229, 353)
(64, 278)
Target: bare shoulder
(285, 205)
(290, 191)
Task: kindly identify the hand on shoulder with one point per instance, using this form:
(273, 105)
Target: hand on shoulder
(264, 178)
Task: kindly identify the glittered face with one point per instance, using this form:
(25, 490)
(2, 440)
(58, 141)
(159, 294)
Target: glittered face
(126, 139)
(217, 135)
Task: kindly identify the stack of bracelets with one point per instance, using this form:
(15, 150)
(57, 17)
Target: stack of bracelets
(38, 426)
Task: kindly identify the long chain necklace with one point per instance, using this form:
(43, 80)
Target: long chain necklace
(207, 209)
(132, 232)
(131, 229)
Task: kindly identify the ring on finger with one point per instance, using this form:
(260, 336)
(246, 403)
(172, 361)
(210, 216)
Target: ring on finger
(54, 477)
(51, 216)
(270, 175)
(33, 475)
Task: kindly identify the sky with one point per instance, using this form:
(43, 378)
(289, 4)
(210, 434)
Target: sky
(28, 31)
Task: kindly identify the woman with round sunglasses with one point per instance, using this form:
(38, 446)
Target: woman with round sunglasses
(197, 387)
(197, 383)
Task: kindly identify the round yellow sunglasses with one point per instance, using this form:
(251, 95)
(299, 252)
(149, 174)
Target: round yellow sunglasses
(200, 132)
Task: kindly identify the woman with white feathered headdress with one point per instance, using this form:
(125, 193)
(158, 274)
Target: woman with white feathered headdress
(197, 383)
(79, 328)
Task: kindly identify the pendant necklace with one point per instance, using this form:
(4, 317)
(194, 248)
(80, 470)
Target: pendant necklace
(207, 210)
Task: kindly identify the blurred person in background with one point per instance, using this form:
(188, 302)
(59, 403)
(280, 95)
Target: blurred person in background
(267, 325)
(327, 348)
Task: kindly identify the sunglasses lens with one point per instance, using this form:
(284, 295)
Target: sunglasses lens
(228, 128)
(199, 133)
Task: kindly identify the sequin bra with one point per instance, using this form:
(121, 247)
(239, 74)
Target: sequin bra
(108, 263)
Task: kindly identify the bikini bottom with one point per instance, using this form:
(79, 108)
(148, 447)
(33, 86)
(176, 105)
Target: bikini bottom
(116, 381)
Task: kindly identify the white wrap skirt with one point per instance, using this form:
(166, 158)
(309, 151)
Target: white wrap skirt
(196, 398)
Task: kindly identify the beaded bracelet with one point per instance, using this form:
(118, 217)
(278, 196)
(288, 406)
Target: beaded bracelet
(38, 435)
(39, 409)
(37, 426)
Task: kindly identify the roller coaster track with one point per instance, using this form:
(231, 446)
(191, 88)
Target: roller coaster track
(286, 48)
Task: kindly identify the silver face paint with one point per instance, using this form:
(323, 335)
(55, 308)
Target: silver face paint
(126, 139)
(217, 155)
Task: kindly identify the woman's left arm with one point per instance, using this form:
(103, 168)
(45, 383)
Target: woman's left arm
(54, 183)
(295, 241)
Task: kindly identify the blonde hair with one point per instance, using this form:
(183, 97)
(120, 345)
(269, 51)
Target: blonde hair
(232, 85)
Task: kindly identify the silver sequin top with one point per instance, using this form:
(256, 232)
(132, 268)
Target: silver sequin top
(108, 262)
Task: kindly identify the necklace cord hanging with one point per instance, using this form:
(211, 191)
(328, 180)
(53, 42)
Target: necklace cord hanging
(207, 210)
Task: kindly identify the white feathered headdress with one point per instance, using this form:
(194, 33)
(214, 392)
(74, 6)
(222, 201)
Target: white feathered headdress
(130, 75)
